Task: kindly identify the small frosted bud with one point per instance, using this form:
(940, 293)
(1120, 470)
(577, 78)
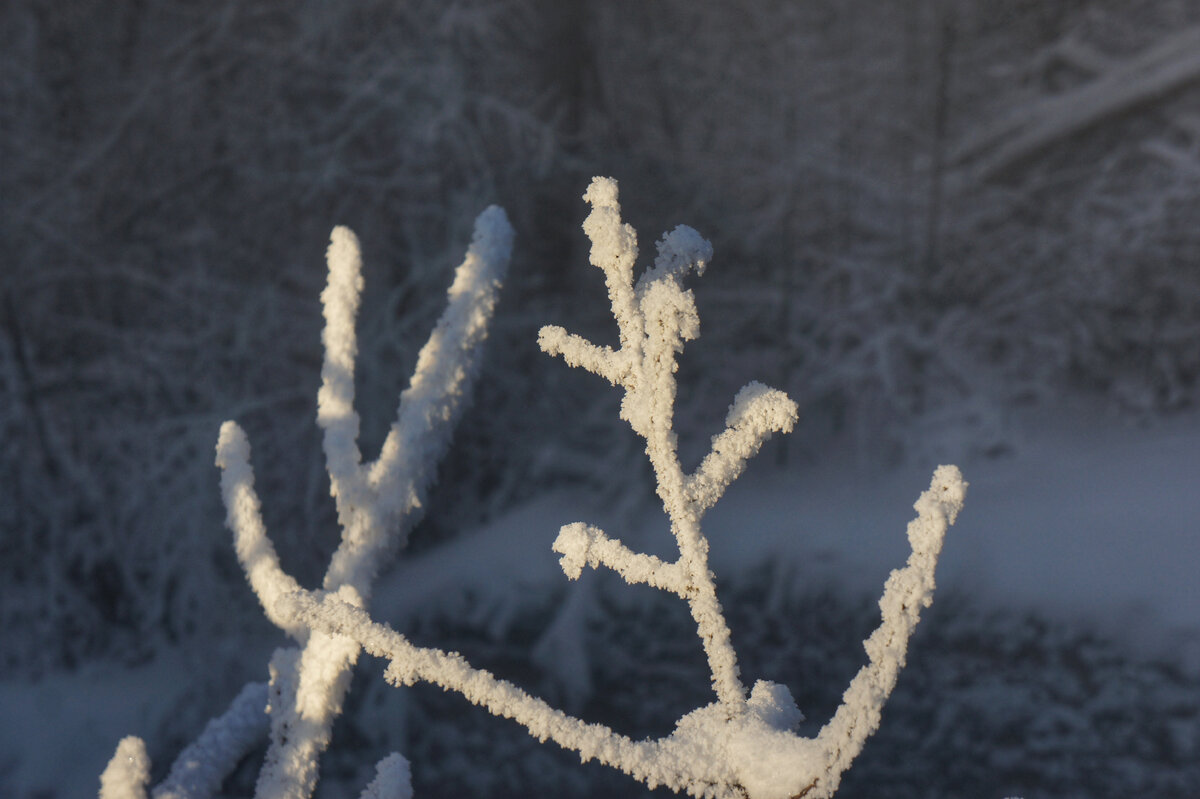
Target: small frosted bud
(773, 704)
(683, 249)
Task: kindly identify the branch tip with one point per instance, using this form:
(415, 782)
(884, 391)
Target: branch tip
(233, 448)
(128, 772)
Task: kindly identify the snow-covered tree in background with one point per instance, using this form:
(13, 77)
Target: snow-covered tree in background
(941, 214)
(741, 745)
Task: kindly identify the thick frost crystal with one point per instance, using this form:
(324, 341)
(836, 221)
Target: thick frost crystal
(742, 744)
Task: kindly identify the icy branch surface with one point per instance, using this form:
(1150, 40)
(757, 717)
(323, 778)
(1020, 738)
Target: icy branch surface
(906, 591)
(655, 318)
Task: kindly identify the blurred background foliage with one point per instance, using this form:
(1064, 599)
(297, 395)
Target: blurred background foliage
(925, 215)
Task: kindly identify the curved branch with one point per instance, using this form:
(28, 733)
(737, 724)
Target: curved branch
(906, 591)
(201, 767)
(757, 413)
(672, 762)
(243, 512)
(582, 545)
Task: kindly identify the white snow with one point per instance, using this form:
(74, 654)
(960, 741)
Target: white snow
(1088, 519)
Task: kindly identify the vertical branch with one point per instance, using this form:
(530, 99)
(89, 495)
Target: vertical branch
(614, 250)
(335, 399)
(671, 320)
(312, 686)
(379, 503)
(656, 318)
(428, 410)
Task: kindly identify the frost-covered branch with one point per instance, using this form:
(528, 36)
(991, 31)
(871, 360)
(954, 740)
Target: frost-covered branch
(205, 763)
(753, 754)
(655, 318)
(906, 591)
(378, 503)
(756, 413)
(393, 779)
(243, 515)
(741, 746)
(582, 545)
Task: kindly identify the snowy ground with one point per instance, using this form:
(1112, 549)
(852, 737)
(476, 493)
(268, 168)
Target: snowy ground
(1086, 522)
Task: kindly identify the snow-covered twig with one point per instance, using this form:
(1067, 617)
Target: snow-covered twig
(127, 773)
(378, 504)
(204, 764)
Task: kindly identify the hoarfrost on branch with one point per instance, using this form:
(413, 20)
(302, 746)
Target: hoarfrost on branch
(743, 744)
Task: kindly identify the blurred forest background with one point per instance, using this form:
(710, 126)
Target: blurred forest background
(925, 215)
